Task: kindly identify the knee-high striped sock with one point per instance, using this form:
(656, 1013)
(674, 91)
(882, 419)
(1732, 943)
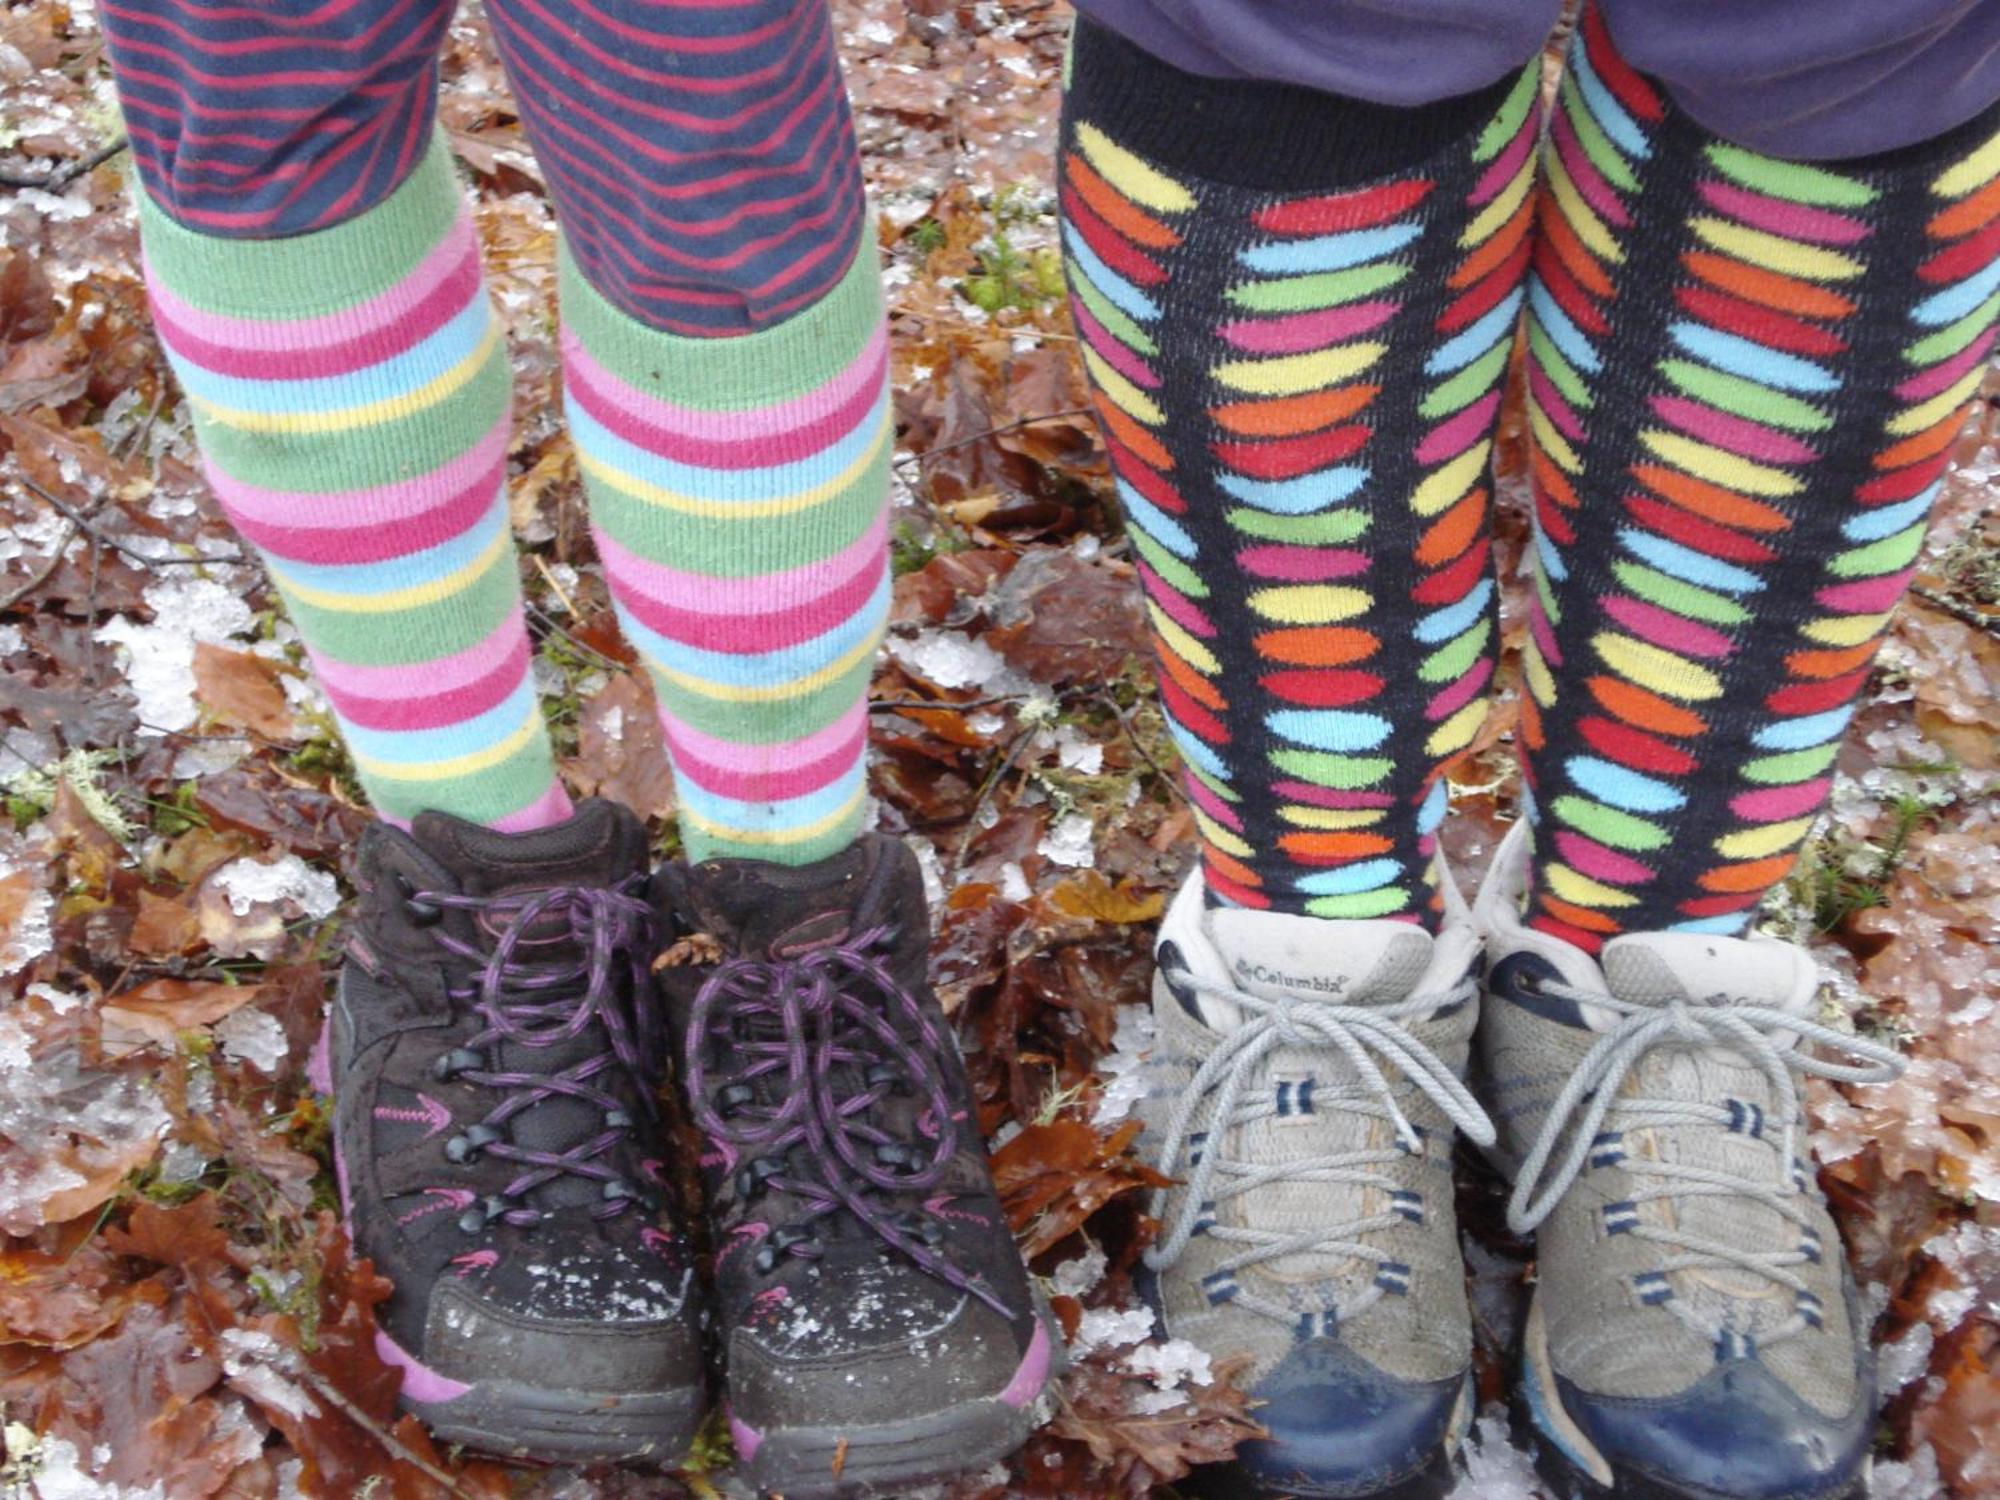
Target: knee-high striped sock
(739, 490)
(350, 394)
(1745, 378)
(1296, 312)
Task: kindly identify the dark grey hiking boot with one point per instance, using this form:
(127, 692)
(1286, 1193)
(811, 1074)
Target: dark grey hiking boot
(877, 1324)
(1695, 1333)
(492, 1051)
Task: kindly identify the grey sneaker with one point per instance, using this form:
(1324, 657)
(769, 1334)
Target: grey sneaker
(1304, 1088)
(1694, 1330)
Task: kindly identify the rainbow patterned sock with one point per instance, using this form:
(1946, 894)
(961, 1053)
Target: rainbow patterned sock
(1745, 377)
(739, 490)
(1296, 312)
(350, 395)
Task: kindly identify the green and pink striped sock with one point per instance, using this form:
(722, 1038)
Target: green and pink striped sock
(738, 491)
(350, 394)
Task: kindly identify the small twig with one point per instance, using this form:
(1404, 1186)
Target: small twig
(1979, 619)
(98, 538)
(394, 1446)
(58, 178)
(986, 790)
(920, 459)
(1171, 783)
(48, 570)
(555, 588)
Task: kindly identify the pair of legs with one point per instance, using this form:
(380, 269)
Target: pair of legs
(1744, 371)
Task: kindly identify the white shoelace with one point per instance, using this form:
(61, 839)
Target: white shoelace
(1593, 1092)
(1360, 1034)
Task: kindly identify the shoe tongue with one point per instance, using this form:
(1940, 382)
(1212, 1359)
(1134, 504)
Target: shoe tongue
(760, 909)
(600, 845)
(1660, 968)
(1273, 955)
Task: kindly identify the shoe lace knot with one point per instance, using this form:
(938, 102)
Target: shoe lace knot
(1385, 1058)
(1596, 1106)
(813, 1048)
(564, 963)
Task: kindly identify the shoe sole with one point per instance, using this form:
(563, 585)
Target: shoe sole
(891, 1458)
(509, 1419)
(1435, 1480)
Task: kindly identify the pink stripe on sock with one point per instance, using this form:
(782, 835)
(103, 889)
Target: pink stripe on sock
(443, 674)
(785, 775)
(552, 807)
(1792, 221)
(1451, 438)
(1598, 862)
(1303, 331)
(1203, 796)
(1775, 804)
(440, 302)
(1114, 353)
(384, 509)
(376, 541)
(1553, 404)
(731, 617)
(1662, 628)
(784, 432)
(1174, 604)
(735, 755)
(1751, 439)
(1302, 564)
(1461, 692)
(1938, 377)
(383, 311)
(423, 705)
(1866, 596)
(1326, 796)
(1583, 172)
(1505, 165)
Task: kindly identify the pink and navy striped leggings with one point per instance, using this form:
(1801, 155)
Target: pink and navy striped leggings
(700, 152)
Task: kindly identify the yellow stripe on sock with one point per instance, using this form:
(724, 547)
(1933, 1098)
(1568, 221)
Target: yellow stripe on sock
(1310, 603)
(1844, 630)
(1969, 173)
(1130, 399)
(772, 692)
(1294, 374)
(1455, 733)
(777, 837)
(1940, 406)
(1761, 843)
(1663, 672)
(1143, 184)
(1581, 890)
(1719, 466)
(460, 765)
(1447, 486)
(1774, 253)
(1214, 833)
(1183, 645)
(416, 596)
(736, 510)
(1581, 216)
(1501, 209)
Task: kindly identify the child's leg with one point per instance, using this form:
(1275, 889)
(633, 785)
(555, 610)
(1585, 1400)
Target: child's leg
(1297, 310)
(316, 282)
(1745, 376)
(726, 363)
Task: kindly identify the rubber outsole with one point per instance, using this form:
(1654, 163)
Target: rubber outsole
(508, 1420)
(1565, 1481)
(1435, 1480)
(891, 1458)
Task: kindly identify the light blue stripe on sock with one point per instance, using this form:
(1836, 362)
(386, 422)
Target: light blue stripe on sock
(1350, 880)
(1605, 109)
(1954, 302)
(1873, 525)
(418, 747)
(1800, 734)
(1622, 788)
(411, 570)
(1740, 356)
(1155, 522)
(760, 668)
(1687, 564)
(1335, 730)
(1328, 252)
(1121, 292)
(1455, 619)
(1561, 332)
(1296, 497)
(1467, 345)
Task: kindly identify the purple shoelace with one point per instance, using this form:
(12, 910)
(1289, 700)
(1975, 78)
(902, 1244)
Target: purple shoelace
(804, 1031)
(543, 1003)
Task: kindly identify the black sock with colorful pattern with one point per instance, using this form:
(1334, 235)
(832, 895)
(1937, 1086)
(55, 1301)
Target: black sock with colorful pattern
(1296, 310)
(1745, 375)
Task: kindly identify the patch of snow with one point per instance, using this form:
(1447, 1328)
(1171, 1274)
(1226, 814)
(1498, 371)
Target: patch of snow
(1907, 1358)
(1916, 1480)
(1111, 1328)
(933, 872)
(159, 657)
(1071, 842)
(59, 1472)
(1078, 1277)
(1494, 1468)
(10, 639)
(248, 884)
(948, 659)
(255, 1037)
(31, 933)
(1122, 1068)
(1014, 882)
